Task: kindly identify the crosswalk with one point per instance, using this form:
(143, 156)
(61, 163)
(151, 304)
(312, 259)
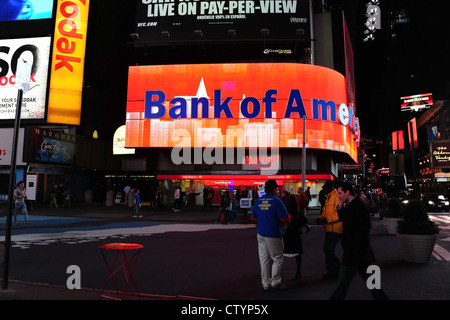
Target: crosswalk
(442, 247)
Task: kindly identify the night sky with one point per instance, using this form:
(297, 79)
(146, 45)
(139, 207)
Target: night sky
(413, 61)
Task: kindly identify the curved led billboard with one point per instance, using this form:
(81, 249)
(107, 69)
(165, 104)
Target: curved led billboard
(239, 105)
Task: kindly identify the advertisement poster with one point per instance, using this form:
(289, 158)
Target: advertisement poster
(52, 147)
(35, 51)
(176, 20)
(26, 10)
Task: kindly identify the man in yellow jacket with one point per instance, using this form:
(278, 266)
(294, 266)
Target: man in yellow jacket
(333, 231)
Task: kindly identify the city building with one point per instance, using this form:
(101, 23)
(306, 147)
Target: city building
(210, 96)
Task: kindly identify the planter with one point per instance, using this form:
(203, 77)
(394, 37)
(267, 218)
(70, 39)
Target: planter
(416, 248)
(391, 224)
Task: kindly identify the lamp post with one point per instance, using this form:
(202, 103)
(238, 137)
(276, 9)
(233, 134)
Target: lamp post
(23, 75)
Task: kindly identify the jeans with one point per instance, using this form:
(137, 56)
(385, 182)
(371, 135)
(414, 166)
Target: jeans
(329, 248)
(20, 206)
(270, 249)
(346, 276)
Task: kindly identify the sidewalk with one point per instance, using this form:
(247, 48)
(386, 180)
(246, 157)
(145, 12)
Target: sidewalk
(402, 280)
(22, 290)
(121, 212)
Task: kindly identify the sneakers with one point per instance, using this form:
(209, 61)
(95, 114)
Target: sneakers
(17, 222)
(280, 286)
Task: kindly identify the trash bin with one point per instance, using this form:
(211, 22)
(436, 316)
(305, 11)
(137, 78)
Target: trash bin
(131, 199)
(118, 197)
(110, 198)
(89, 197)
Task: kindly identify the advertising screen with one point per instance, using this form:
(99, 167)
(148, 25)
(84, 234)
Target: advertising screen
(416, 102)
(68, 56)
(25, 10)
(239, 105)
(176, 20)
(35, 51)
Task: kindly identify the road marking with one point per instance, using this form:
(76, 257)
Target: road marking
(440, 253)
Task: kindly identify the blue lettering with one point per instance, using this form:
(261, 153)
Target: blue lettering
(178, 111)
(296, 97)
(325, 105)
(150, 103)
(256, 107)
(219, 107)
(205, 107)
(267, 100)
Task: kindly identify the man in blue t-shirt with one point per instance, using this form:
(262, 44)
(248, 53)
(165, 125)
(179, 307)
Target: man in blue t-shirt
(272, 216)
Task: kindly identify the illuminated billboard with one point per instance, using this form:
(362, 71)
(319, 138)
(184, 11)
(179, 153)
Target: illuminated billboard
(239, 105)
(179, 20)
(67, 69)
(25, 10)
(416, 102)
(36, 51)
(440, 154)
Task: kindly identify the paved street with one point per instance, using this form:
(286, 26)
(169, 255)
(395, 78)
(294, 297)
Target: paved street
(203, 259)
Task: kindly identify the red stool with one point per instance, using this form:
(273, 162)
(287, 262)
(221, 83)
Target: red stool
(125, 265)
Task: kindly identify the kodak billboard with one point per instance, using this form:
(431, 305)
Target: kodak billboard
(69, 46)
(239, 105)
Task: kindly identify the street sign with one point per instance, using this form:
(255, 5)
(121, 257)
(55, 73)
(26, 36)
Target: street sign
(23, 75)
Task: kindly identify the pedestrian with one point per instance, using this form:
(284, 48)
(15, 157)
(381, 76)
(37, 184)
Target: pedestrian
(292, 238)
(137, 204)
(357, 252)
(177, 200)
(207, 197)
(126, 191)
(225, 207)
(158, 197)
(272, 217)
(285, 196)
(333, 231)
(383, 203)
(19, 196)
(308, 196)
(322, 198)
(54, 194)
(302, 203)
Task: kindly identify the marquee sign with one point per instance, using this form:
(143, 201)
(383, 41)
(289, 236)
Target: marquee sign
(239, 105)
(440, 154)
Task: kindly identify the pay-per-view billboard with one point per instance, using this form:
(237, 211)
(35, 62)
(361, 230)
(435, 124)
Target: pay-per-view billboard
(184, 20)
(36, 51)
(258, 105)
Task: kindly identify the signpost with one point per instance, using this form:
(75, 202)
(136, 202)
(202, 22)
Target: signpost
(23, 75)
